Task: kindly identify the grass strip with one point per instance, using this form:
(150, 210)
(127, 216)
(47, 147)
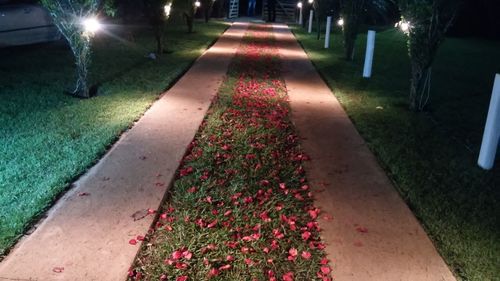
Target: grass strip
(240, 208)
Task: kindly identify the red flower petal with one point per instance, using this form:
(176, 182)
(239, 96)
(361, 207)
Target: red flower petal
(361, 229)
(176, 255)
(132, 241)
(212, 224)
(306, 255)
(225, 267)
(306, 235)
(325, 269)
(181, 265)
(288, 276)
(58, 269)
(182, 278)
(213, 272)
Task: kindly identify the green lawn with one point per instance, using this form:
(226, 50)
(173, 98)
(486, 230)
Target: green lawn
(430, 156)
(47, 138)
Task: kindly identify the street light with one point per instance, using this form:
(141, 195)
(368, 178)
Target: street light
(167, 9)
(299, 6)
(340, 22)
(197, 4)
(405, 26)
(91, 26)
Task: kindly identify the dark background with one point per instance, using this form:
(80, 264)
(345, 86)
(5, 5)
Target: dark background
(476, 18)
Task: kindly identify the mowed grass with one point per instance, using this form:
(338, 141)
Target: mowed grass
(47, 138)
(430, 156)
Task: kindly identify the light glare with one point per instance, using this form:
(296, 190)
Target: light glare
(405, 26)
(197, 4)
(91, 25)
(167, 9)
(299, 5)
(310, 1)
(340, 22)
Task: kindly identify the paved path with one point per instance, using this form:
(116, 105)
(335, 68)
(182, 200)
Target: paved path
(89, 235)
(373, 235)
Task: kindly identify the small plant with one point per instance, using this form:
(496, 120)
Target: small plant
(76, 21)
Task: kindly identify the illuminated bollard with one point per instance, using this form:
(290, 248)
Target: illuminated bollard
(300, 15)
(309, 29)
(491, 130)
(370, 46)
(327, 34)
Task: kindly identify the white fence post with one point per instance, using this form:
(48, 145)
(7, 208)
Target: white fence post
(327, 34)
(491, 130)
(370, 46)
(309, 29)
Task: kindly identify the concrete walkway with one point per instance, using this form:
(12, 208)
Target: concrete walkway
(370, 232)
(86, 234)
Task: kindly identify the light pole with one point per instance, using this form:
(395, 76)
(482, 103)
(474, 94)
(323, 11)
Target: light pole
(299, 6)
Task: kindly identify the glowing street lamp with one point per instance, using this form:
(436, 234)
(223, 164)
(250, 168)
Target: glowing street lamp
(299, 6)
(167, 9)
(310, 1)
(405, 26)
(340, 22)
(197, 4)
(90, 26)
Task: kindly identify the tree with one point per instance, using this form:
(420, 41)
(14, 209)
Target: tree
(352, 12)
(68, 16)
(187, 8)
(323, 8)
(425, 23)
(157, 12)
(207, 6)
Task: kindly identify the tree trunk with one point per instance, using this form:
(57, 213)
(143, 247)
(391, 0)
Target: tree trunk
(353, 12)
(318, 24)
(159, 30)
(208, 10)
(82, 56)
(350, 33)
(419, 85)
(189, 21)
(349, 42)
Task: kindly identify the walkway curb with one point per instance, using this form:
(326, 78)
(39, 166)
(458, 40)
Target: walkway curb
(370, 232)
(86, 234)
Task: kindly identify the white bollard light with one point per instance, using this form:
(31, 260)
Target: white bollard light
(370, 47)
(300, 15)
(491, 130)
(309, 29)
(327, 34)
